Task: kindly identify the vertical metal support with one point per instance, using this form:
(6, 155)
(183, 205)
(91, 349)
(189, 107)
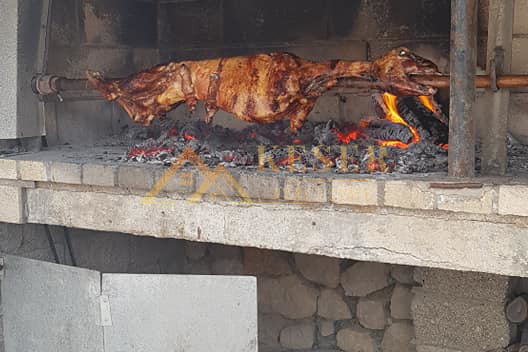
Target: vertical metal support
(499, 58)
(463, 69)
(42, 57)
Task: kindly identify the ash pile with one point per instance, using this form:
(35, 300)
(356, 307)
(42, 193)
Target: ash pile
(376, 146)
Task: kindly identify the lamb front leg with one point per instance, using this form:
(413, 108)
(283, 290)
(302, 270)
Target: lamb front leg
(211, 106)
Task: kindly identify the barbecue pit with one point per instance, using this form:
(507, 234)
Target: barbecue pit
(443, 195)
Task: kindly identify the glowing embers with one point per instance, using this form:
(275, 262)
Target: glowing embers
(189, 137)
(352, 133)
(136, 152)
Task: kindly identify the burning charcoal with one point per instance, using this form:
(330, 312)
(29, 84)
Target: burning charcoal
(307, 129)
(417, 115)
(195, 145)
(324, 134)
(167, 123)
(422, 157)
(136, 133)
(261, 140)
(243, 159)
(234, 148)
(190, 132)
(163, 155)
(386, 130)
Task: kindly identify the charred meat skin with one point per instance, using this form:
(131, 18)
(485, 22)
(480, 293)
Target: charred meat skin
(261, 88)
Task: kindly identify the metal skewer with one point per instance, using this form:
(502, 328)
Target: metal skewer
(46, 85)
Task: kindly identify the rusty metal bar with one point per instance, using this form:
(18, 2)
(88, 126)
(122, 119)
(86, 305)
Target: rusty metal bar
(461, 158)
(65, 84)
(444, 81)
(481, 81)
(45, 85)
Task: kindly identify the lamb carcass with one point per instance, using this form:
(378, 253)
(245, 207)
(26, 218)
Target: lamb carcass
(260, 88)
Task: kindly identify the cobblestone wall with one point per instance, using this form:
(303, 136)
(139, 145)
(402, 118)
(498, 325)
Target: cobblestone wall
(318, 303)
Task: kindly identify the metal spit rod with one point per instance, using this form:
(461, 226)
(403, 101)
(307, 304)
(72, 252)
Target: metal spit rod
(481, 81)
(46, 85)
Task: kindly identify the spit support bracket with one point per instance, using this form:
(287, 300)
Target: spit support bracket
(496, 67)
(45, 85)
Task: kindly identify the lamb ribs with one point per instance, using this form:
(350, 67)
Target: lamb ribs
(260, 88)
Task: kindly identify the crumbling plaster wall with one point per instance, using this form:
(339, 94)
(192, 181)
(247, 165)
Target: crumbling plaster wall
(518, 121)
(309, 302)
(518, 118)
(117, 37)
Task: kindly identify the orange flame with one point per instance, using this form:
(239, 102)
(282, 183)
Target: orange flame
(393, 116)
(427, 102)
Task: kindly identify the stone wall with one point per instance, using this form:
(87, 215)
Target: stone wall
(306, 302)
(309, 302)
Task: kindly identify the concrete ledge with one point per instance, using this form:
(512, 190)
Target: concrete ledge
(29, 170)
(8, 169)
(494, 196)
(418, 240)
(65, 173)
(12, 204)
(421, 221)
(99, 175)
(513, 200)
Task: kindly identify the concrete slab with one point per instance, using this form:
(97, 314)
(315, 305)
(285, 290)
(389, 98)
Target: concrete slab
(185, 301)
(11, 204)
(411, 239)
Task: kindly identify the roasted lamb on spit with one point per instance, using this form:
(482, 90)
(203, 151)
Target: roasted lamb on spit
(261, 88)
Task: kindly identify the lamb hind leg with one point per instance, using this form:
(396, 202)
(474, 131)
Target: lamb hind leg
(298, 117)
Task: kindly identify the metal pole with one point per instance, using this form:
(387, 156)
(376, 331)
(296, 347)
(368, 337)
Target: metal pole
(461, 158)
(494, 124)
(481, 81)
(45, 85)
